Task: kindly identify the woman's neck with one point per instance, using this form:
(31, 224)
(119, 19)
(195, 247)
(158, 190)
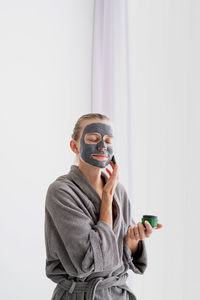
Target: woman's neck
(92, 174)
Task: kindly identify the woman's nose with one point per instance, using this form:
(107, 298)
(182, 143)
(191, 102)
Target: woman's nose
(102, 145)
(100, 148)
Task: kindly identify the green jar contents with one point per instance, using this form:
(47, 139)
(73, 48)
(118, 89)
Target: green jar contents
(153, 220)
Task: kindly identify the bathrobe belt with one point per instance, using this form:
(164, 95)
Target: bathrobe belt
(94, 284)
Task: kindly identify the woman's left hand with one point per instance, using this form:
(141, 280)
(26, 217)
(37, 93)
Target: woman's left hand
(139, 232)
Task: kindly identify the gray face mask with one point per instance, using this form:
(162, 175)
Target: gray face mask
(86, 150)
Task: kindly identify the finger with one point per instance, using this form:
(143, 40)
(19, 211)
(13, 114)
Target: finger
(159, 226)
(115, 172)
(141, 231)
(136, 232)
(112, 174)
(131, 233)
(108, 171)
(112, 164)
(149, 229)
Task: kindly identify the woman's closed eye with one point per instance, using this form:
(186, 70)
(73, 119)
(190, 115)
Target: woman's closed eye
(96, 138)
(93, 139)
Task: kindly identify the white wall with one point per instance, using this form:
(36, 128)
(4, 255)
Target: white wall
(45, 75)
(164, 52)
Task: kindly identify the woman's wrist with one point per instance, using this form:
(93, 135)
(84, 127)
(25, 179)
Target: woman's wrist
(107, 197)
(134, 246)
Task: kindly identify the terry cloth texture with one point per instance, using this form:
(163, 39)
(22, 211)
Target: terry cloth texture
(84, 256)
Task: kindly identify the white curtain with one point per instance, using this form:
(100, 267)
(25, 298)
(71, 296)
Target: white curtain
(110, 76)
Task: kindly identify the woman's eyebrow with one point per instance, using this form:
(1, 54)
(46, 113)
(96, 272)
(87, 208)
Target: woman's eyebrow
(96, 133)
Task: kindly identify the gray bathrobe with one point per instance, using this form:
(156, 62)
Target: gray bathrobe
(84, 256)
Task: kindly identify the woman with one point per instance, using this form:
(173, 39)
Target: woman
(90, 237)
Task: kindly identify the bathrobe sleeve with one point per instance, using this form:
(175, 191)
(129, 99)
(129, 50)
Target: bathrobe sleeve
(83, 246)
(137, 261)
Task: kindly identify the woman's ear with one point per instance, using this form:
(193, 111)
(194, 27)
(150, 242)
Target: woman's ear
(74, 146)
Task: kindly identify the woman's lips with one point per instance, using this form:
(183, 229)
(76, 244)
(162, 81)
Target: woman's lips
(100, 155)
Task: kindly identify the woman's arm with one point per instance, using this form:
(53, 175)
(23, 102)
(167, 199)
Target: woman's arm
(107, 196)
(106, 210)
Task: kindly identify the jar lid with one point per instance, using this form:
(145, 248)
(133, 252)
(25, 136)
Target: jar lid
(149, 217)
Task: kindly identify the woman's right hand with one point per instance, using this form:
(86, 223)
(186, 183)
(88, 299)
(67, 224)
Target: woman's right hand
(109, 187)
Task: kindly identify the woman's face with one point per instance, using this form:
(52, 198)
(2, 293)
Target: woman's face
(96, 143)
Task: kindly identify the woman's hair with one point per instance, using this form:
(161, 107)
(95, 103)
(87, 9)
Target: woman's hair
(78, 126)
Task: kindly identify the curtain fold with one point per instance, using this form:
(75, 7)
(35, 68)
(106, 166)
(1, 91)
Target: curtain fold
(110, 76)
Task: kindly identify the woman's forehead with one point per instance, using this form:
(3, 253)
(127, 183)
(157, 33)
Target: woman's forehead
(98, 127)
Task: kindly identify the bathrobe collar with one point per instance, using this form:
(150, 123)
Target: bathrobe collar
(81, 181)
